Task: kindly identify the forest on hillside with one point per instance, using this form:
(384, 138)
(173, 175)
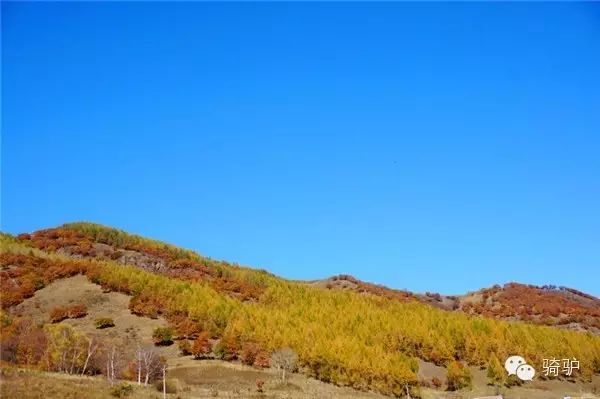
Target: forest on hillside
(367, 342)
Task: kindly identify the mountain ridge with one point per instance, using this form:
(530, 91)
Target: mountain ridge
(546, 305)
(548, 286)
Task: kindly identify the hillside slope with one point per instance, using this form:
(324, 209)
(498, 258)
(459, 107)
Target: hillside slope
(367, 342)
(547, 305)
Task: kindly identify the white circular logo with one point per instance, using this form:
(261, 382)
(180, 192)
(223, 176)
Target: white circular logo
(525, 372)
(512, 363)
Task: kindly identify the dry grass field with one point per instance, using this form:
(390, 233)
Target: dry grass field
(210, 379)
(30, 384)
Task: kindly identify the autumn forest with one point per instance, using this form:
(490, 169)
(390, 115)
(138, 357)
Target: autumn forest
(365, 339)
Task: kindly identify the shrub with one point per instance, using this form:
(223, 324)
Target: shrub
(59, 314)
(228, 347)
(163, 336)
(459, 376)
(259, 386)
(170, 386)
(436, 382)
(262, 359)
(248, 353)
(512, 381)
(104, 322)
(185, 327)
(202, 346)
(219, 351)
(142, 305)
(252, 355)
(77, 311)
(121, 390)
(184, 347)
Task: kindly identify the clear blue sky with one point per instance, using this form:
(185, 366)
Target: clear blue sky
(440, 147)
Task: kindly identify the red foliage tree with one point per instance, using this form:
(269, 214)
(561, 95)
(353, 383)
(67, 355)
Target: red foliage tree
(249, 352)
(202, 346)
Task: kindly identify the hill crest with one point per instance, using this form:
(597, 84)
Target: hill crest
(550, 305)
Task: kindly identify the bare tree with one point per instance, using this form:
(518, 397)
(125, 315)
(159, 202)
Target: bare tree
(92, 347)
(164, 378)
(114, 362)
(65, 343)
(139, 355)
(76, 353)
(284, 360)
(150, 364)
(108, 364)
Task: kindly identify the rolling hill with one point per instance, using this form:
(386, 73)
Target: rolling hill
(343, 331)
(549, 305)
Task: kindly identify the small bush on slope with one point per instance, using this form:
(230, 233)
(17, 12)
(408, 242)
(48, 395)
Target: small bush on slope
(162, 336)
(122, 390)
(104, 322)
(58, 314)
(458, 375)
